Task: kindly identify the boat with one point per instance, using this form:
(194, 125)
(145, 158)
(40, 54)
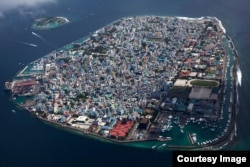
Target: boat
(235, 129)
(164, 128)
(14, 111)
(163, 145)
(169, 138)
(239, 75)
(8, 85)
(193, 138)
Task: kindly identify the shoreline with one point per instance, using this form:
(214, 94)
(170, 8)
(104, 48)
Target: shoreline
(86, 133)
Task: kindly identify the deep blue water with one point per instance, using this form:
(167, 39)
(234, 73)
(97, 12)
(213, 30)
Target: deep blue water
(26, 141)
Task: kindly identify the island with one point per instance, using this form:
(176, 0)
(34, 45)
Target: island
(49, 23)
(168, 81)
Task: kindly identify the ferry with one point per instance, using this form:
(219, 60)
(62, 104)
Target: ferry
(239, 75)
(169, 138)
(164, 128)
(153, 147)
(193, 138)
(235, 129)
(8, 85)
(163, 145)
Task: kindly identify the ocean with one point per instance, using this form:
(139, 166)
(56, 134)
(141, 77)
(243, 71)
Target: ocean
(27, 142)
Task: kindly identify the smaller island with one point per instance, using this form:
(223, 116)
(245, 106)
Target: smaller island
(49, 23)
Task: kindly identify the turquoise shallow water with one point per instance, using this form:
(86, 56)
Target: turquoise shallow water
(27, 141)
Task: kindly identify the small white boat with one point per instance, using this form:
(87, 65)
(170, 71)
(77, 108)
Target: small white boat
(153, 147)
(163, 145)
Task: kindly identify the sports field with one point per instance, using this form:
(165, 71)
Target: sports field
(204, 83)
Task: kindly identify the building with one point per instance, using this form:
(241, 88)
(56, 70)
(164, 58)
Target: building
(144, 123)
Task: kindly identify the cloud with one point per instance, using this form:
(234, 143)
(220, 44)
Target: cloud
(1, 14)
(7, 5)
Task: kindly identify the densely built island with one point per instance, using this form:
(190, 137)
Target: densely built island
(169, 80)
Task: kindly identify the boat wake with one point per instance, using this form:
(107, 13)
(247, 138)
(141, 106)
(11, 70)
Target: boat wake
(239, 75)
(44, 40)
(38, 36)
(29, 44)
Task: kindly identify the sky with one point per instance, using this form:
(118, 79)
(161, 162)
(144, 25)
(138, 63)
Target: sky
(8, 5)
